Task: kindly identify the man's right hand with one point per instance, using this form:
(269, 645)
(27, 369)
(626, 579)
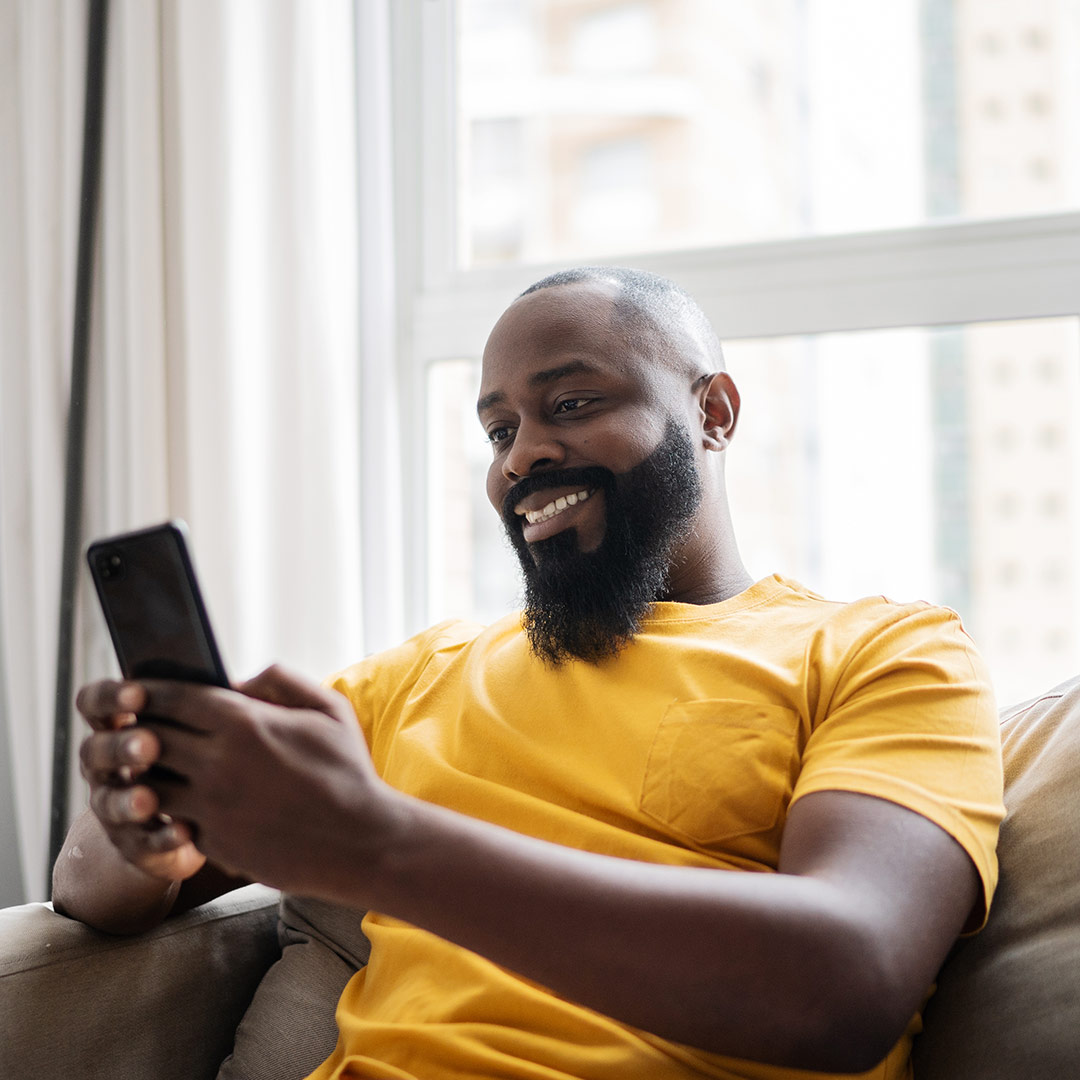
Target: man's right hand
(114, 756)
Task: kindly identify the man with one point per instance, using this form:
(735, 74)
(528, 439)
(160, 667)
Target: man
(665, 822)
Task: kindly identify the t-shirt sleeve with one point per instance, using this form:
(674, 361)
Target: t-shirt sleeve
(910, 717)
(373, 684)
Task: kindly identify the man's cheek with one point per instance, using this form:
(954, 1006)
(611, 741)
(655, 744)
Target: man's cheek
(495, 490)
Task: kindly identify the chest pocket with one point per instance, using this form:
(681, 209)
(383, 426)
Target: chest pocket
(719, 769)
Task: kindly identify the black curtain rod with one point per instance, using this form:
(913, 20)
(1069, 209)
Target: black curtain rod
(75, 465)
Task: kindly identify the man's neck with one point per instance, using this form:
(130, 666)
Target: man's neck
(709, 584)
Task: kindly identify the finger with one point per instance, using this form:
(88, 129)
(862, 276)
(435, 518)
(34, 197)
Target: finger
(162, 848)
(175, 799)
(107, 704)
(180, 749)
(279, 686)
(176, 864)
(165, 834)
(117, 757)
(118, 807)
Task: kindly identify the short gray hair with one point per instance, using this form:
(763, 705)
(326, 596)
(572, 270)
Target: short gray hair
(656, 314)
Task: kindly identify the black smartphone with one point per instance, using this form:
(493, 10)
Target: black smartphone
(146, 583)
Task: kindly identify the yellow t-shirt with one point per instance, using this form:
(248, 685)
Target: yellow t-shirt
(687, 748)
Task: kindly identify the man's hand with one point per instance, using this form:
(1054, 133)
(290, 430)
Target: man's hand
(272, 779)
(116, 758)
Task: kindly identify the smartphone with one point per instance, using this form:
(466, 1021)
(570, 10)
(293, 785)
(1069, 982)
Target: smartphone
(146, 583)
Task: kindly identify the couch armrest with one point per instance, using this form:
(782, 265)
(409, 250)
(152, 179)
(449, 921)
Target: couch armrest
(75, 1002)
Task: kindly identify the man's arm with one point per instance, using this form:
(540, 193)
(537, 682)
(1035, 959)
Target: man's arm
(818, 966)
(96, 884)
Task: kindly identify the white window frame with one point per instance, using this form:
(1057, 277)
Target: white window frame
(930, 275)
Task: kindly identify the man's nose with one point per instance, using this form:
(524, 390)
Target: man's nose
(535, 448)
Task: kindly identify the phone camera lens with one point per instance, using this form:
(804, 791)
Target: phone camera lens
(110, 566)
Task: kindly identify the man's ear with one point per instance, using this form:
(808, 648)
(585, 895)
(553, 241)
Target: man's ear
(718, 400)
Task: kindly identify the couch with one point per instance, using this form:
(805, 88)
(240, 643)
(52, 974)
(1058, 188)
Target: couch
(250, 979)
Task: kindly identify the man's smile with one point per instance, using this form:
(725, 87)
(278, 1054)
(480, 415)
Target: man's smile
(556, 506)
(551, 511)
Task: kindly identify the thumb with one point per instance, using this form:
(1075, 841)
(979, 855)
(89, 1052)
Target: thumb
(279, 686)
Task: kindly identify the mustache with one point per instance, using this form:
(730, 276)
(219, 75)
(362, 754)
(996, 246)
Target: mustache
(589, 476)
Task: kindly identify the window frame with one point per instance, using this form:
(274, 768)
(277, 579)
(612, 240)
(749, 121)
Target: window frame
(940, 274)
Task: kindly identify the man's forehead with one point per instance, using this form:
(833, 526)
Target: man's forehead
(556, 325)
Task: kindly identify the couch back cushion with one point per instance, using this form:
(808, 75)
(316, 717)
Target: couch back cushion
(1008, 999)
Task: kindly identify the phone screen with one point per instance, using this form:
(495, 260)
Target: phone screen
(148, 591)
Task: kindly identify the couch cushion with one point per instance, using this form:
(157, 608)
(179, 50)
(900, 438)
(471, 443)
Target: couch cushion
(1008, 999)
(289, 1028)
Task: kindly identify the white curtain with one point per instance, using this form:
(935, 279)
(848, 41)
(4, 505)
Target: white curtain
(227, 349)
(42, 60)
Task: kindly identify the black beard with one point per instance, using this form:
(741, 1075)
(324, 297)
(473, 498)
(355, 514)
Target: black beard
(589, 605)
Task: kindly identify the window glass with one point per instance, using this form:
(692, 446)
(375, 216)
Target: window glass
(589, 128)
(936, 464)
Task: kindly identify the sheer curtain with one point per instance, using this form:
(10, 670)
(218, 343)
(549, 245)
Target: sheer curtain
(42, 60)
(227, 353)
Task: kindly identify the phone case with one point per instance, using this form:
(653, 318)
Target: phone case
(152, 604)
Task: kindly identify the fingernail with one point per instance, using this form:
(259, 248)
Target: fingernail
(129, 697)
(131, 748)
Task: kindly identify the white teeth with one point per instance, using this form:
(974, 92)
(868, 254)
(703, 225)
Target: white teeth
(557, 506)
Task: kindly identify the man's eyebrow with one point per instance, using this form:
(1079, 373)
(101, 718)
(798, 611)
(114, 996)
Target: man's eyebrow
(488, 400)
(539, 378)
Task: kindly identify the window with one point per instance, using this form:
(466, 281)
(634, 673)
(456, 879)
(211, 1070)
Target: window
(878, 244)
(617, 38)
(864, 462)
(773, 119)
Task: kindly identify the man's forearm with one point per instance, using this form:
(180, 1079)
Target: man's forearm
(763, 966)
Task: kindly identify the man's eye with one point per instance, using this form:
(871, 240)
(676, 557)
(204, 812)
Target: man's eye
(499, 434)
(570, 404)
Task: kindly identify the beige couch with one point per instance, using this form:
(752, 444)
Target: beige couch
(166, 1005)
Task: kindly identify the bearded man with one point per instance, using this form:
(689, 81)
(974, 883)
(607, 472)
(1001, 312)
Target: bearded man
(665, 822)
